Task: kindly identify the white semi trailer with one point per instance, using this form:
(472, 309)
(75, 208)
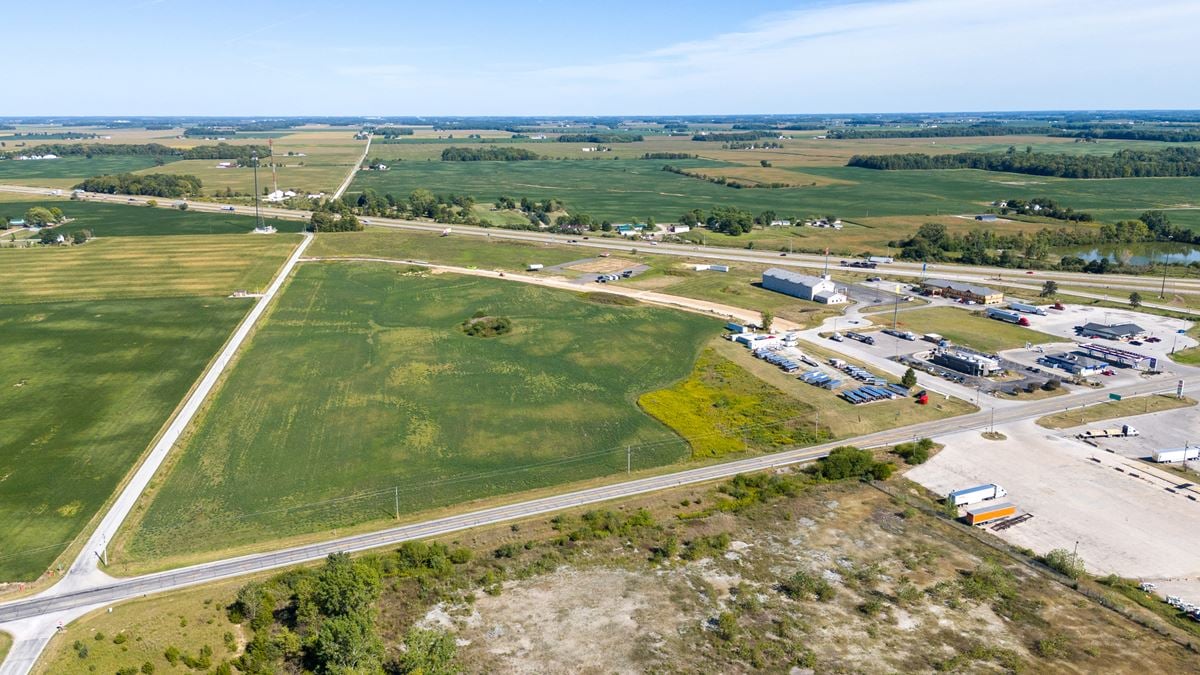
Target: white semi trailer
(974, 495)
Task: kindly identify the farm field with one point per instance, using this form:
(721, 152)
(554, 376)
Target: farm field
(328, 155)
(140, 267)
(84, 387)
(65, 172)
(1139, 405)
(360, 390)
(969, 328)
(118, 220)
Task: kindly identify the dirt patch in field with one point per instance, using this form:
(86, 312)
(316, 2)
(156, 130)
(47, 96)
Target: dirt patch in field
(602, 265)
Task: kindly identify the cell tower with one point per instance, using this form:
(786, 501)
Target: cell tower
(259, 226)
(274, 178)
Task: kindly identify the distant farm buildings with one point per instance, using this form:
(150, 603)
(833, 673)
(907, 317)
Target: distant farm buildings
(962, 291)
(279, 196)
(817, 289)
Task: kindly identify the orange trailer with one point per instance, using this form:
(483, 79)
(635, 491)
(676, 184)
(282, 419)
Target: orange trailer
(986, 513)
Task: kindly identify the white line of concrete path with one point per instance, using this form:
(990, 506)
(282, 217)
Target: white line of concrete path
(350, 177)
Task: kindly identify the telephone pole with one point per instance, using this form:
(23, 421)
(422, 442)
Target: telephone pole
(628, 459)
(397, 495)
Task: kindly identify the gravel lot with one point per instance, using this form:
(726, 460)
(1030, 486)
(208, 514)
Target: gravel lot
(1119, 510)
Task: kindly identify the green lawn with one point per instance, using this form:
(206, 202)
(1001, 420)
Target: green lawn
(117, 220)
(360, 381)
(128, 267)
(970, 328)
(84, 387)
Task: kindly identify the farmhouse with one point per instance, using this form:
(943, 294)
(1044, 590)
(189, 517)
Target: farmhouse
(279, 196)
(964, 291)
(1119, 331)
(818, 289)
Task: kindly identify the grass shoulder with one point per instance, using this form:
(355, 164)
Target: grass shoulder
(1140, 405)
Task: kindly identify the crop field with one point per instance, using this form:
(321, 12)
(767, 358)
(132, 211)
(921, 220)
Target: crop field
(84, 387)
(328, 155)
(68, 171)
(118, 220)
(463, 251)
(619, 186)
(971, 329)
(361, 389)
(140, 267)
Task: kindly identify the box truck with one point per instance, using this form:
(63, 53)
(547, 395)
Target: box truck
(974, 495)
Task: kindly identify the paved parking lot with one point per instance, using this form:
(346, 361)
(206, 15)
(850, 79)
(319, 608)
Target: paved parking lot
(1062, 323)
(1118, 511)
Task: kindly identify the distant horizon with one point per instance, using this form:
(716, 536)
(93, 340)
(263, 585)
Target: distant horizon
(569, 116)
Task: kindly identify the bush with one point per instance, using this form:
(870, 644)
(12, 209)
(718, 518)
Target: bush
(705, 546)
(172, 655)
(1050, 385)
(148, 668)
(120, 639)
(807, 586)
(487, 326)
(1052, 646)
(1064, 562)
(727, 626)
(914, 453)
(848, 461)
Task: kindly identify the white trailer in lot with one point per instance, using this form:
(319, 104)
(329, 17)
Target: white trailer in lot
(1171, 455)
(974, 495)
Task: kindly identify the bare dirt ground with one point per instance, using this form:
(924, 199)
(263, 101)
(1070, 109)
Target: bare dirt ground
(1118, 511)
(602, 265)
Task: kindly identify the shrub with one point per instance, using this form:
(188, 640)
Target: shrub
(1052, 646)
(120, 639)
(914, 453)
(806, 586)
(148, 668)
(727, 626)
(172, 655)
(705, 546)
(487, 326)
(1064, 562)
(1050, 385)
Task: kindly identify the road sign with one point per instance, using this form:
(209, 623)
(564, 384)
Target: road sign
(1179, 389)
(1114, 397)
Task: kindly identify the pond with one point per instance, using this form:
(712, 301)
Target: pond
(1139, 254)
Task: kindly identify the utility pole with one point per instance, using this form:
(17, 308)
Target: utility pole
(628, 459)
(896, 310)
(397, 495)
(1162, 292)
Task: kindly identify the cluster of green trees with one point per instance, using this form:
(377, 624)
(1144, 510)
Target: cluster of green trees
(482, 325)
(331, 221)
(848, 461)
(154, 184)
(932, 242)
(751, 145)
(943, 131)
(1046, 207)
(242, 153)
(724, 219)
(456, 154)
(1182, 161)
(599, 138)
(325, 619)
(726, 137)
(390, 132)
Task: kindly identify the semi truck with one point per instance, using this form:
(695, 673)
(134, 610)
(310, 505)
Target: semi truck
(1123, 431)
(1172, 455)
(902, 334)
(974, 495)
(1005, 315)
(865, 339)
(1027, 308)
(987, 513)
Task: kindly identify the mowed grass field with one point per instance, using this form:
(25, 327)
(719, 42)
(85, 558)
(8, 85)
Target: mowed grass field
(84, 387)
(361, 382)
(970, 328)
(119, 220)
(141, 267)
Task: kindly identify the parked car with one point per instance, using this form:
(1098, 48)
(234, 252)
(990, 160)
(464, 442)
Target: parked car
(1153, 339)
(1136, 342)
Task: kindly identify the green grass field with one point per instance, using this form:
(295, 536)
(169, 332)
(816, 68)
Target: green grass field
(970, 328)
(84, 387)
(118, 220)
(361, 381)
(463, 251)
(67, 171)
(140, 267)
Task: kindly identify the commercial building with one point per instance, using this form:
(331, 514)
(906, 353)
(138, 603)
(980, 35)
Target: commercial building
(963, 362)
(1076, 364)
(964, 291)
(1116, 331)
(1120, 357)
(818, 289)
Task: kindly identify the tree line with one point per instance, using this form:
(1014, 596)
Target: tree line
(668, 155)
(721, 180)
(1045, 207)
(1183, 161)
(218, 151)
(457, 154)
(599, 138)
(722, 137)
(942, 131)
(1164, 134)
(154, 184)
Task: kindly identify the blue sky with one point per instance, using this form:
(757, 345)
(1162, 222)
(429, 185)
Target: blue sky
(304, 57)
